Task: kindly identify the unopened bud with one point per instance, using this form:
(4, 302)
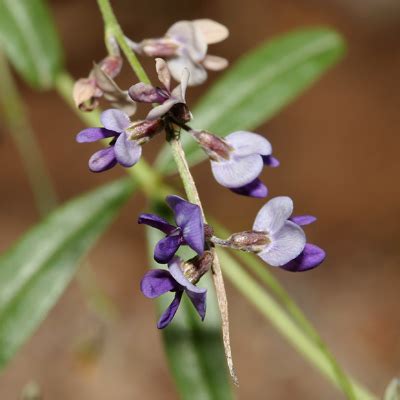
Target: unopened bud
(162, 47)
(195, 268)
(215, 147)
(111, 65)
(144, 130)
(250, 241)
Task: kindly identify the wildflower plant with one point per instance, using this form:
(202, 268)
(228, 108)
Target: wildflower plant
(185, 253)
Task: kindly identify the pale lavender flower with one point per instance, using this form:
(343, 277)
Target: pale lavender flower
(189, 229)
(286, 246)
(185, 45)
(238, 159)
(157, 282)
(170, 101)
(121, 150)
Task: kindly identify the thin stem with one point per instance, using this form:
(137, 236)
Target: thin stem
(146, 176)
(25, 141)
(113, 28)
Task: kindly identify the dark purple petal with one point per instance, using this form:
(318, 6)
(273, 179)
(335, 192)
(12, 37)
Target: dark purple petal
(166, 248)
(188, 217)
(144, 93)
(199, 301)
(303, 219)
(157, 282)
(127, 151)
(309, 258)
(271, 161)
(156, 222)
(102, 160)
(253, 189)
(170, 312)
(94, 134)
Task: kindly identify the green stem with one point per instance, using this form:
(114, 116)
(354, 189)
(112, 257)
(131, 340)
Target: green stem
(25, 141)
(113, 28)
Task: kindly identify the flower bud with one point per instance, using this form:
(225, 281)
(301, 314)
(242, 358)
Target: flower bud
(142, 131)
(162, 47)
(195, 268)
(215, 147)
(250, 241)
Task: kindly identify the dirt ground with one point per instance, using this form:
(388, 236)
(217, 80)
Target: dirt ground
(338, 145)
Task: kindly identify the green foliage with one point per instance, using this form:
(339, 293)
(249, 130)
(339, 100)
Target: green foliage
(35, 272)
(259, 85)
(28, 37)
(194, 349)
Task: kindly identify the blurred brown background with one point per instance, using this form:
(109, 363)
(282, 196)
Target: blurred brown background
(338, 145)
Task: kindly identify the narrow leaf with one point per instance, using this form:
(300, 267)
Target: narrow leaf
(29, 39)
(194, 349)
(35, 271)
(259, 85)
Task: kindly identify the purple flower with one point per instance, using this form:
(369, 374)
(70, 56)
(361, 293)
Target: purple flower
(170, 101)
(286, 247)
(185, 45)
(122, 149)
(159, 281)
(238, 159)
(189, 229)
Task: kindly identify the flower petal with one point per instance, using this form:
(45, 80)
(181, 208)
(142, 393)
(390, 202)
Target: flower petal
(174, 267)
(271, 161)
(157, 282)
(197, 73)
(102, 160)
(161, 110)
(115, 120)
(212, 31)
(180, 91)
(309, 258)
(199, 302)
(94, 134)
(253, 189)
(303, 219)
(156, 222)
(191, 38)
(166, 248)
(237, 171)
(188, 217)
(286, 245)
(163, 73)
(215, 63)
(145, 93)
(170, 312)
(246, 143)
(127, 151)
(273, 215)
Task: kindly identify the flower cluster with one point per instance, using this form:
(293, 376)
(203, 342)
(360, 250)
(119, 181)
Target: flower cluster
(237, 161)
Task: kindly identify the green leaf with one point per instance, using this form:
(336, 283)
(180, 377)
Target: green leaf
(194, 349)
(259, 85)
(29, 38)
(35, 271)
(393, 390)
